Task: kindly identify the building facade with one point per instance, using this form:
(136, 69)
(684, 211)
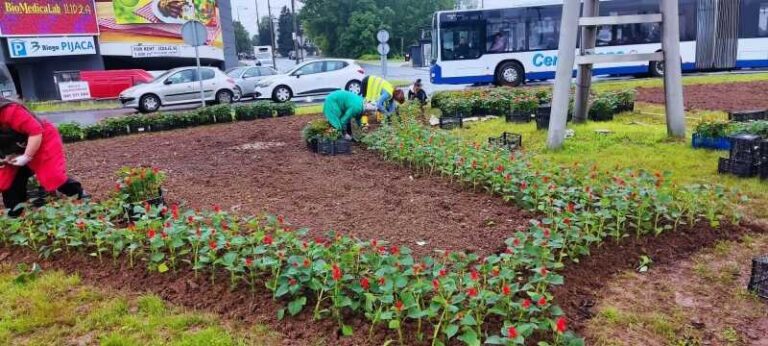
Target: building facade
(44, 42)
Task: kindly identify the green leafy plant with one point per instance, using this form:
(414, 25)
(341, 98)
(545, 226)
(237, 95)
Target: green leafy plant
(136, 185)
(71, 132)
(712, 129)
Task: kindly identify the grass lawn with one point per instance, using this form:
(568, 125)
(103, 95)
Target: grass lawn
(57, 309)
(687, 80)
(636, 140)
(59, 106)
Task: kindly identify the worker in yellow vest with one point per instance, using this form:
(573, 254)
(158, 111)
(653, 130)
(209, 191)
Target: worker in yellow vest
(382, 94)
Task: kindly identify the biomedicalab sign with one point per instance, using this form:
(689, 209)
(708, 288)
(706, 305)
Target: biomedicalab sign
(48, 18)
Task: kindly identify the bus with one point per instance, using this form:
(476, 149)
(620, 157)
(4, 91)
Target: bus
(510, 46)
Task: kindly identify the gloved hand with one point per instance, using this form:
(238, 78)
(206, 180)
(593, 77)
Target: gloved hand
(20, 161)
(370, 107)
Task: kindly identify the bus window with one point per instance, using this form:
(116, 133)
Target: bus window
(505, 31)
(543, 28)
(762, 24)
(460, 42)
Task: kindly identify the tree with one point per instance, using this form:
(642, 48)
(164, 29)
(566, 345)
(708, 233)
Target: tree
(285, 29)
(242, 42)
(264, 35)
(255, 40)
(347, 28)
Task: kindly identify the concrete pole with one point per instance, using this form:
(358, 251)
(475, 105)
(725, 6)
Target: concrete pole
(566, 57)
(584, 76)
(296, 47)
(258, 23)
(673, 74)
(272, 34)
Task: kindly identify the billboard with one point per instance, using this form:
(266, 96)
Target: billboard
(32, 47)
(165, 11)
(48, 18)
(126, 24)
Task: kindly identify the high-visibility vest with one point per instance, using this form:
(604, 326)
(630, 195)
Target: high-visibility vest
(374, 88)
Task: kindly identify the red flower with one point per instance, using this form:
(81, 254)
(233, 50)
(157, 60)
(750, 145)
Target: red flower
(399, 305)
(365, 284)
(147, 207)
(516, 242)
(543, 271)
(507, 177)
(474, 275)
(523, 186)
(474, 164)
(546, 179)
(511, 332)
(472, 292)
(561, 325)
(151, 233)
(546, 232)
(306, 263)
(436, 284)
(374, 243)
(500, 168)
(505, 290)
(443, 272)
(382, 281)
(216, 208)
(117, 187)
(570, 207)
(212, 244)
(164, 235)
(336, 273)
(526, 304)
(81, 225)
(542, 301)
(248, 262)
(567, 221)
(155, 170)
(267, 239)
(495, 271)
(394, 250)
(190, 219)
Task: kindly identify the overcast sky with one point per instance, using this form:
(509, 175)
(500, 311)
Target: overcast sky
(248, 13)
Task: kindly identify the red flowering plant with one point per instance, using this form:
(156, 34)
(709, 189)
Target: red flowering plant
(139, 184)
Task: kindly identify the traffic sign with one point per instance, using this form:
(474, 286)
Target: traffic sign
(383, 48)
(194, 33)
(383, 36)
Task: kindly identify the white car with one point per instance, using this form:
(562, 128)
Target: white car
(312, 78)
(180, 86)
(246, 78)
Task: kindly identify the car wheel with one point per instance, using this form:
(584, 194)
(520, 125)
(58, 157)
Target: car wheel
(282, 93)
(224, 97)
(238, 94)
(510, 74)
(149, 103)
(355, 87)
(657, 68)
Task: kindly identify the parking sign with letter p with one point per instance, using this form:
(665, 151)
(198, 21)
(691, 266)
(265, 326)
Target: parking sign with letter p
(18, 49)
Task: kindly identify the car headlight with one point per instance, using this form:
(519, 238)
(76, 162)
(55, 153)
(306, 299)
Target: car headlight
(264, 84)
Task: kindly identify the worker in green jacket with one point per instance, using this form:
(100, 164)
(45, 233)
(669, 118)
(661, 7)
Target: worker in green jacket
(341, 107)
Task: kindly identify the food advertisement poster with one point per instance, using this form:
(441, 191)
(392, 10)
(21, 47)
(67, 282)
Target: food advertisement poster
(47, 18)
(127, 23)
(165, 11)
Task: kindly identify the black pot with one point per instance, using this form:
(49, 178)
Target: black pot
(517, 116)
(130, 209)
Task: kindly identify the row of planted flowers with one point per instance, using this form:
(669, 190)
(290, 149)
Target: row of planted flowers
(498, 299)
(120, 126)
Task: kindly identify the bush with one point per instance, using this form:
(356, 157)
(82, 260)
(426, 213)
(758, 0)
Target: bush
(263, 109)
(141, 184)
(245, 112)
(71, 132)
(285, 109)
(221, 113)
(320, 129)
(712, 129)
(603, 108)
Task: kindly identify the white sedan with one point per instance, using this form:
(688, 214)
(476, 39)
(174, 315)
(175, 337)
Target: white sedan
(312, 78)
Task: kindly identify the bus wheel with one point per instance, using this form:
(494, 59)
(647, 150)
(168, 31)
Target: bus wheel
(657, 68)
(510, 74)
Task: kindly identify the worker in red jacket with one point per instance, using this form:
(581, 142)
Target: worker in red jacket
(30, 146)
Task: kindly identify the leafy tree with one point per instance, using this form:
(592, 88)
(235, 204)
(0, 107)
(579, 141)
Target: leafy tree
(255, 40)
(347, 28)
(242, 42)
(264, 35)
(285, 37)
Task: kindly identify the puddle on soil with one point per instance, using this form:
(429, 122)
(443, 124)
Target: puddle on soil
(258, 146)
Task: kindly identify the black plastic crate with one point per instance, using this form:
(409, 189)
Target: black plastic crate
(744, 169)
(742, 116)
(334, 147)
(507, 140)
(746, 148)
(449, 123)
(758, 281)
(762, 170)
(515, 116)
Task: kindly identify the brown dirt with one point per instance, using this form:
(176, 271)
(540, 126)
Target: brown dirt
(727, 97)
(264, 165)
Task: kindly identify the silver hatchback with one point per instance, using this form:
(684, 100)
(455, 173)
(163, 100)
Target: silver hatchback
(246, 78)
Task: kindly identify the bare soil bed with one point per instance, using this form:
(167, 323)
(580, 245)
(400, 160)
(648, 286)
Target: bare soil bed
(264, 165)
(727, 97)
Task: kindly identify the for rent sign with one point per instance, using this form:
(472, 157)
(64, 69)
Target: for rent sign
(47, 17)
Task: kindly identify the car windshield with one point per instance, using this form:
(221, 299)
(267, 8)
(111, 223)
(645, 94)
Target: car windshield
(163, 75)
(235, 72)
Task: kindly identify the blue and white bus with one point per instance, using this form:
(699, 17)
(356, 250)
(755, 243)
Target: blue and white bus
(512, 45)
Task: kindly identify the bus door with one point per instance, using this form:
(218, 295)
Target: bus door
(717, 39)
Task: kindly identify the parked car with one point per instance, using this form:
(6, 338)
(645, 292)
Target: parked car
(110, 83)
(263, 55)
(246, 78)
(180, 86)
(312, 78)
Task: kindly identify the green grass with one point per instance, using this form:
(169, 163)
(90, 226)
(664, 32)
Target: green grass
(59, 106)
(687, 80)
(309, 110)
(636, 140)
(57, 309)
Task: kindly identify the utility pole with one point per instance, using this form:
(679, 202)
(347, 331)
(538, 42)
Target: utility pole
(258, 25)
(295, 32)
(272, 33)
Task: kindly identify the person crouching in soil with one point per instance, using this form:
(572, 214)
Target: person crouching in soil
(341, 107)
(30, 146)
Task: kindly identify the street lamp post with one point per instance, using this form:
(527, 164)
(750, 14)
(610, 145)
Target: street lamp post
(271, 33)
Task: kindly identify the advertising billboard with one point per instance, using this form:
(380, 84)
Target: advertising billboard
(126, 25)
(48, 18)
